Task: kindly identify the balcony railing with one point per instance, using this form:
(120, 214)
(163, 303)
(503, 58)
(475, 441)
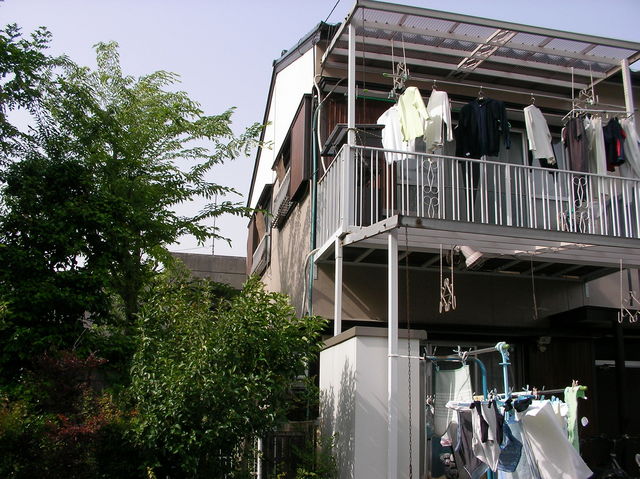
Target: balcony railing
(261, 255)
(373, 184)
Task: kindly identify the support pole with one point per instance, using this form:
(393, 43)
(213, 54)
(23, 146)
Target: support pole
(621, 380)
(392, 360)
(337, 301)
(351, 87)
(626, 83)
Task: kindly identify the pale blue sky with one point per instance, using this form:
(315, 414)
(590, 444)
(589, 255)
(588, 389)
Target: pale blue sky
(224, 49)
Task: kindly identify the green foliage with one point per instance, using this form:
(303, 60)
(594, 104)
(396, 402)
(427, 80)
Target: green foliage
(23, 69)
(89, 202)
(211, 374)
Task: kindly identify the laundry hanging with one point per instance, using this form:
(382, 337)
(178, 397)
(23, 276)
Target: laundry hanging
(413, 114)
(538, 136)
(614, 139)
(632, 149)
(451, 385)
(481, 124)
(392, 135)
(575, 144)
(554, 455)
(597, 159)
(438, 127)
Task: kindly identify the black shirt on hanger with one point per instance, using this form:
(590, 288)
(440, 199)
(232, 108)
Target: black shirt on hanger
(480, 125)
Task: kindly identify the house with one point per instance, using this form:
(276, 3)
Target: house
(221, 269)
(413, 253)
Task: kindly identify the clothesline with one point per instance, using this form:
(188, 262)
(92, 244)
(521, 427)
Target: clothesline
(540, 392)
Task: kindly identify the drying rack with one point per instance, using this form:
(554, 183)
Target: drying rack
(463, 356)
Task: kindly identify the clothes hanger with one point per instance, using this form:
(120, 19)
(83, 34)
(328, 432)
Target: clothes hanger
(533, 99)
(481, 94)
(435, 86)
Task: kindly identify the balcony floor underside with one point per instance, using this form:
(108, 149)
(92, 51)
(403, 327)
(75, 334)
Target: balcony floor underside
(507, 250)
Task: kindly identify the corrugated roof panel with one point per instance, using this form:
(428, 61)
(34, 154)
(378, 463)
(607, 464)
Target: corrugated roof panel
(528, 39)
(427, 23)
(572, 46)
(535, 51)
(379, 16)
(458, 45)
(611, 52)
(476, 31)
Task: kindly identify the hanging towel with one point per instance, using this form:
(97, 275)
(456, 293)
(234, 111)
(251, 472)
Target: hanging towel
(571, 395)
(392, 134)
(451, 385)
(631, 168)
(554, 455)
(595, 145)
(413, 114)
(538, 135)
(438, 117)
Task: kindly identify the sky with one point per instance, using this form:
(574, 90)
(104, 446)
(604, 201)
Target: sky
(223, 51)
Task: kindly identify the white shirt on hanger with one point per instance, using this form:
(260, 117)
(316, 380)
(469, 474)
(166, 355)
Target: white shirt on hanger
(595, 144)
(438, 115)
(631, 168)
(413, 114)
(538, 133)
(392, 134)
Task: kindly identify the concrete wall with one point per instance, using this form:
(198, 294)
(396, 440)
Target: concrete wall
(353, 403)
(223, 269)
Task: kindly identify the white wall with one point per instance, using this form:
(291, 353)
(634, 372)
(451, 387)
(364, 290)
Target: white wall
(353, 398)
(290, 85)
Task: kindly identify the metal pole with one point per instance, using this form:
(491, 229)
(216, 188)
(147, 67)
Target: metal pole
(621, 382)
(503, 349)
(337, 300)
(351, 87)
(626, 83)
(392, 360)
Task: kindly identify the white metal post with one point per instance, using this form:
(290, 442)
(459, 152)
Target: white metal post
(348, 161)
(337, 300)
(392, 360)
(626, 83)
(259, 461)
(351, 86)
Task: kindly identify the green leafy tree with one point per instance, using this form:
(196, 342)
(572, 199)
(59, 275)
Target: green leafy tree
(207, 379)
(89, 202)
(24, 67)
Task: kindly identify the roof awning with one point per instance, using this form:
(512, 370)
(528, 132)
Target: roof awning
(452, 46)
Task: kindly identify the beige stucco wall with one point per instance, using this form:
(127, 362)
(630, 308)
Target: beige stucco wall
(289, 246)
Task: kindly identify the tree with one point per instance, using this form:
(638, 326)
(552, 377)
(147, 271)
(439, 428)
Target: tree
(211, 374)
(89, 202)
(23, 68)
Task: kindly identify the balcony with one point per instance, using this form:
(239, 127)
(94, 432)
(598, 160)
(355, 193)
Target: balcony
(574, 225)
(261, 256)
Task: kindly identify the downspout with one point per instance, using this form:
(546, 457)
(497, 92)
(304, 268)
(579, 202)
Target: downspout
(314, 205)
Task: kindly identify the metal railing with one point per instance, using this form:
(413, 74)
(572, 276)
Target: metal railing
(330, 206)
(382, 183)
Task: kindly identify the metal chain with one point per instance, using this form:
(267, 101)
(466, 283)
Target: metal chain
(406, 269)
